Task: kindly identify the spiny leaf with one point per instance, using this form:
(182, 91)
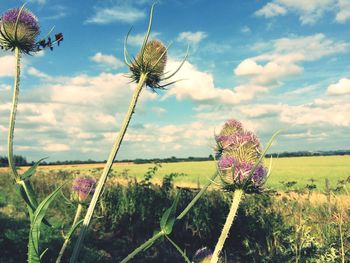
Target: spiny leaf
(169, 217)
(37, 218)
(31, 170)
(73, 228)
(26, 190)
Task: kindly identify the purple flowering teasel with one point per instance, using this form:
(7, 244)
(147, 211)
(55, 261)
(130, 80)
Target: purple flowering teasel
(238, 151)
(83, 187)
(19, 28)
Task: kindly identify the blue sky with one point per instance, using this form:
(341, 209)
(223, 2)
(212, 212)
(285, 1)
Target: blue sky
(270, 64)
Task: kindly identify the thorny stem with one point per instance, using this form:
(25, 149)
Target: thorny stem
(237, 197)
(150, 241)
(107, 168)
(67, 239)
(13, 114)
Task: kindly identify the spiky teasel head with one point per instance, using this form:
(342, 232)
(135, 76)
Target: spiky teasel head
(150, 61)
(239, 152)
(229, 129)
(19, 28)
(237, 174)
(245, 146)
(83, 188)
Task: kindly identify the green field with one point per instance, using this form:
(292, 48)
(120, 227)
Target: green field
(299, 169)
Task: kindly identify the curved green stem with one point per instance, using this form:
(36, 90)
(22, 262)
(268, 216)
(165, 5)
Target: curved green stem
(67, 239)
(237, 197)
(13, 114)
(182, 253)
(107, 168)
(195, 199)
(144, 246)
(150, 241)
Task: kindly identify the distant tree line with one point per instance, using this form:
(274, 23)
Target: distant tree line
(309, 153)
(22, 161)
(19, 161)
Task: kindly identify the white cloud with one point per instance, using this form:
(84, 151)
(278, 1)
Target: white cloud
(56, 147)
(108, 60)
(36, 73)
(158, 110)
(109, 15)
(199, 86)
(137, 40)
(343, 14)
(271, 10)
(284, 59)
(72, 114)
(313, 114)
(246, 30)
(268, 73)
(308, 135)
(192, 37)
(5, 88)
(342, 87)
(40, 2)
(309, 12)
(7, 66)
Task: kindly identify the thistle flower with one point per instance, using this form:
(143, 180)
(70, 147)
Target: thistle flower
(83, 187)
(230, 127)
(150, 61)
(245, 146)
(239, 150)
(19, 28)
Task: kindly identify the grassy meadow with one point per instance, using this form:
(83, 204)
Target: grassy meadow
(303, 170)
(292, 222)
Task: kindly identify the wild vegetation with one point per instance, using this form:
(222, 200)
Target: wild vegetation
(131, 218)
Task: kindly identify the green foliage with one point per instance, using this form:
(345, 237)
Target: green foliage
(169, 217)
(36, 219)
(264, 230)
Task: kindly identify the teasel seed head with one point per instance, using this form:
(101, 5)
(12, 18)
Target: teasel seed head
(150, 61)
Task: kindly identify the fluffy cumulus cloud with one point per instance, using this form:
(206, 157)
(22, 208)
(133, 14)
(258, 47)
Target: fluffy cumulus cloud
(69, 113)
(7, 66)
(309, 12)
(107, 60)
(342, 87)
(271, 10)
(192, 37)
(343, 14)
(137, 39)
(107, 15)
(198, 86)
(284, 58)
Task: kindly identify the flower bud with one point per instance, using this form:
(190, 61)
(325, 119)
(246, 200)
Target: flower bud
(83, 188)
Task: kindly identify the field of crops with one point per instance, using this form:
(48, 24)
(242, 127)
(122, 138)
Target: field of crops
(303, 170)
